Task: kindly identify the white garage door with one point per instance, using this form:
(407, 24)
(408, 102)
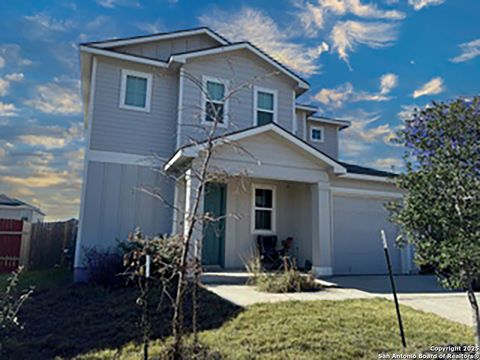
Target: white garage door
(357, 246)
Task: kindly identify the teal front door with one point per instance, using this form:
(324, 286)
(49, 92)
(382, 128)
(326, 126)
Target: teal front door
(213, 247)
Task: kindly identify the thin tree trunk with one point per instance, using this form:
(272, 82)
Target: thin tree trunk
(476, 316)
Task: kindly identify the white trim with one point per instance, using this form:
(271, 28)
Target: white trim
(125, 57)
(172, 35)
(305, 125)
(294, 115)
(273, 210)
(355, 192)
(341, 123)
(180, 105)
(308, 108)
(123, 90)
(118, 158)
(22, 207)
(193, 151)
(183, 58)
(225, 84)
(322, 129)
(274, 92)
(78, 247)
(367, 177)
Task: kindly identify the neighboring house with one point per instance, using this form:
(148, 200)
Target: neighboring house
(140, 100)
(11, 208)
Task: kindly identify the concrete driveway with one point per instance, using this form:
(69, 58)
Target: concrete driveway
(421, 292)
(418, 291)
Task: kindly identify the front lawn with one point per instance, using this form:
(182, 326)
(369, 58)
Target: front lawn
(89, 322)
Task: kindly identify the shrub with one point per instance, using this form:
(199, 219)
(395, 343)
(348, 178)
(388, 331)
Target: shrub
(164, 251)
(104, 267)
(288, 280)
(11, 300)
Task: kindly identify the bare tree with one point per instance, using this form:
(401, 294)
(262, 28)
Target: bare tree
(204, 172)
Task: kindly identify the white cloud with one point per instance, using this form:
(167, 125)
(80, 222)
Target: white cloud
(7, 110)
(388, 82)
(48, 142)
(45, 21)
(7, 80)
(254, 26)
(152, 27)
(41, 180)
(388, 163)
(406, 112)
(420, 4)
(11, 54)
(110, 4)
(57, 98)
(2, 62)
(53, 137)
(358, 139)
(336, 97)
(433, 87)
(469, 51)
(347, 35)
(312, 16)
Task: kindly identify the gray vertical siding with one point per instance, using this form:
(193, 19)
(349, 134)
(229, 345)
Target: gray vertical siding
(163, 49)
(128, 131)
(239, 68)
(330, 144)
(114, 207)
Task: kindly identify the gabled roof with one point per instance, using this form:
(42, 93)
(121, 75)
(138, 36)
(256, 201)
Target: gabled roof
(104, 48)
(192, 151)
(15, 203)
(158, 36)
(363, 170)
(244, 45)
(345, 170)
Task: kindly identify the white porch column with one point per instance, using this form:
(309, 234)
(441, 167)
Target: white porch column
(191, 188)
(321, 229)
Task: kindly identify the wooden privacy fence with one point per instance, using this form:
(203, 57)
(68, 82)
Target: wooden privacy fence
(52, 244)
(14, 244)
(36, 246)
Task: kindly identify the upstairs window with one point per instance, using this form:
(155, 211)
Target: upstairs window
(263, 212)
(214, 101)
(136, 89)
(316, 134)
(265, 106)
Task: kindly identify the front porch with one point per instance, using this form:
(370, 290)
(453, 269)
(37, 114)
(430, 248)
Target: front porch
(274, 187)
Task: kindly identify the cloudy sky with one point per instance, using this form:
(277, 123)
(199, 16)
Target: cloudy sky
(367, 61)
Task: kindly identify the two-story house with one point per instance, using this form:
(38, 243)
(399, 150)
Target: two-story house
(146, 96)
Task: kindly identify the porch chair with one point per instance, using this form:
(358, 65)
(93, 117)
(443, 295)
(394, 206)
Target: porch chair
(267, 249)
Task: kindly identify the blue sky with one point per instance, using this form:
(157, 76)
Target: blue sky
(367, 61)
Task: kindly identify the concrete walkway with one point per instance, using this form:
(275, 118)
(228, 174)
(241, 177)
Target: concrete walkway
(420, 292)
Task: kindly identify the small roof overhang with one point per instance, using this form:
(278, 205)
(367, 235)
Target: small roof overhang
(185, 155)
(342, 124)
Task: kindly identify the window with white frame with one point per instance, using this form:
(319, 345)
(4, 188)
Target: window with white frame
(136, 90)
(316, 133)
(263, 209)
(215, 106)
(265, 106)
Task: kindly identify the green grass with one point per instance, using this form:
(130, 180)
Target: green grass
(88, 322)
(40, 278)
